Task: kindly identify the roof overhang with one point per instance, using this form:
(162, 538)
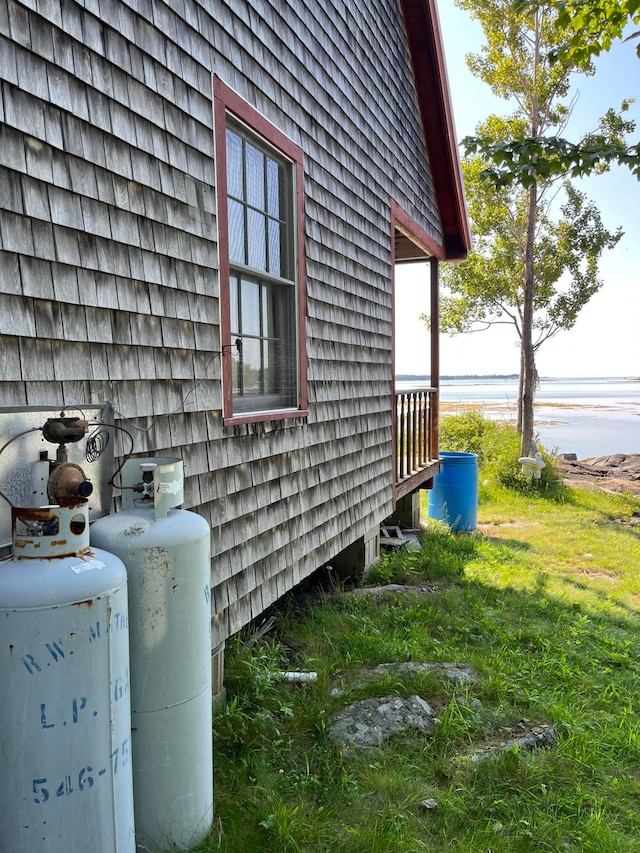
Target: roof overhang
(432, 87)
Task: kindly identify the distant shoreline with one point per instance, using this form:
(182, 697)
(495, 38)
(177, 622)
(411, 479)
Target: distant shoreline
(588, 416)
(414, 377)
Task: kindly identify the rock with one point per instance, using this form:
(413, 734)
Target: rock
(469, 702)
(372, 722)
(390, 589)
(619, 472)
(456, 673)
(612, 461)
(620, 462)
(542, 737)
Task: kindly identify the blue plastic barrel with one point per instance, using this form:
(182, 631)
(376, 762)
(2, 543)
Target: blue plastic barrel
(454, 496)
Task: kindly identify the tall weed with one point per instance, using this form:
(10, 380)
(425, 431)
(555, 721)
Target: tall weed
(253, 718)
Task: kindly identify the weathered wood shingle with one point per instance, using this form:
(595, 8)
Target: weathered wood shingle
(108, 232)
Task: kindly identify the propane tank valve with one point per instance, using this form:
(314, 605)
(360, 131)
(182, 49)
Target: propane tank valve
(145, 488)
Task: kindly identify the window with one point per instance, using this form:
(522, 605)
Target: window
(261, 264)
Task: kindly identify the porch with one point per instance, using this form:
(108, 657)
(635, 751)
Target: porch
(416, 439)
(415, 413)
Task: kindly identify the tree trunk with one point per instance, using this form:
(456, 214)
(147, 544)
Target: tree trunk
(527, 352)
(520, 388)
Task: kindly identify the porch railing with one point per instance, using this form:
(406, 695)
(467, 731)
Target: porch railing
(416, 436)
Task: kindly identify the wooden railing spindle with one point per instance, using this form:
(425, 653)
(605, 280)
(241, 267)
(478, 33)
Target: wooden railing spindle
(416, 442)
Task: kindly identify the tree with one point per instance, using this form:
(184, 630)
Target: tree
(525, 159)
(591, 26)
(488, 288)
(526, 268)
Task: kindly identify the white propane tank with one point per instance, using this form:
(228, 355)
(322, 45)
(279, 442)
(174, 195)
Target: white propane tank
(65, 721)
(167, 555)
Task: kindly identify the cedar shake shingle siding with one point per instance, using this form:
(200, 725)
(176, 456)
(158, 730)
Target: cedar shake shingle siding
(109, 269)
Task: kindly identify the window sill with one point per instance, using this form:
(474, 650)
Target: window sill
(260, 417)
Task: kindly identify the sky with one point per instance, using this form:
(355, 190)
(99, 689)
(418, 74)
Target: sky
(606, 338)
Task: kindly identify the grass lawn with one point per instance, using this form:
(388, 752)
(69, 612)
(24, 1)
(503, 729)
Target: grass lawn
(544, 602)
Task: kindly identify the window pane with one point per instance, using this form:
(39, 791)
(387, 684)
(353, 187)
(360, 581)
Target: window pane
(256, 225)
(274, 248)
(235, 376)
(273, 187)
(250, 308)
(270, 365)
(282, 350)
(288, 380)
(255, 177)
(234, 165)
(283, 307)
(251, 367)
(233, 305)
(267, 322)
(236, 232)
(280, 370)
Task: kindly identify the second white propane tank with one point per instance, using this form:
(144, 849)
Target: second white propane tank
(167, 555)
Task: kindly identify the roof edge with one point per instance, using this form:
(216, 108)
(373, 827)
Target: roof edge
(432, 87)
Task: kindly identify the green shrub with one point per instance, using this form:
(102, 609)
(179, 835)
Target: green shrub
(469, 432)
(498, 448)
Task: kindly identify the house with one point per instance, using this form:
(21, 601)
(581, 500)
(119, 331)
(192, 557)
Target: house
(202, 204)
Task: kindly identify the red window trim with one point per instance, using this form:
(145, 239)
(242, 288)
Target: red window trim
(225, 100)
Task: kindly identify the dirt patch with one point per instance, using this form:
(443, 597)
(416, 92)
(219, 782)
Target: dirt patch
(596, 575)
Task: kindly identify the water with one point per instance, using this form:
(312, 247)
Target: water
(589, 417)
